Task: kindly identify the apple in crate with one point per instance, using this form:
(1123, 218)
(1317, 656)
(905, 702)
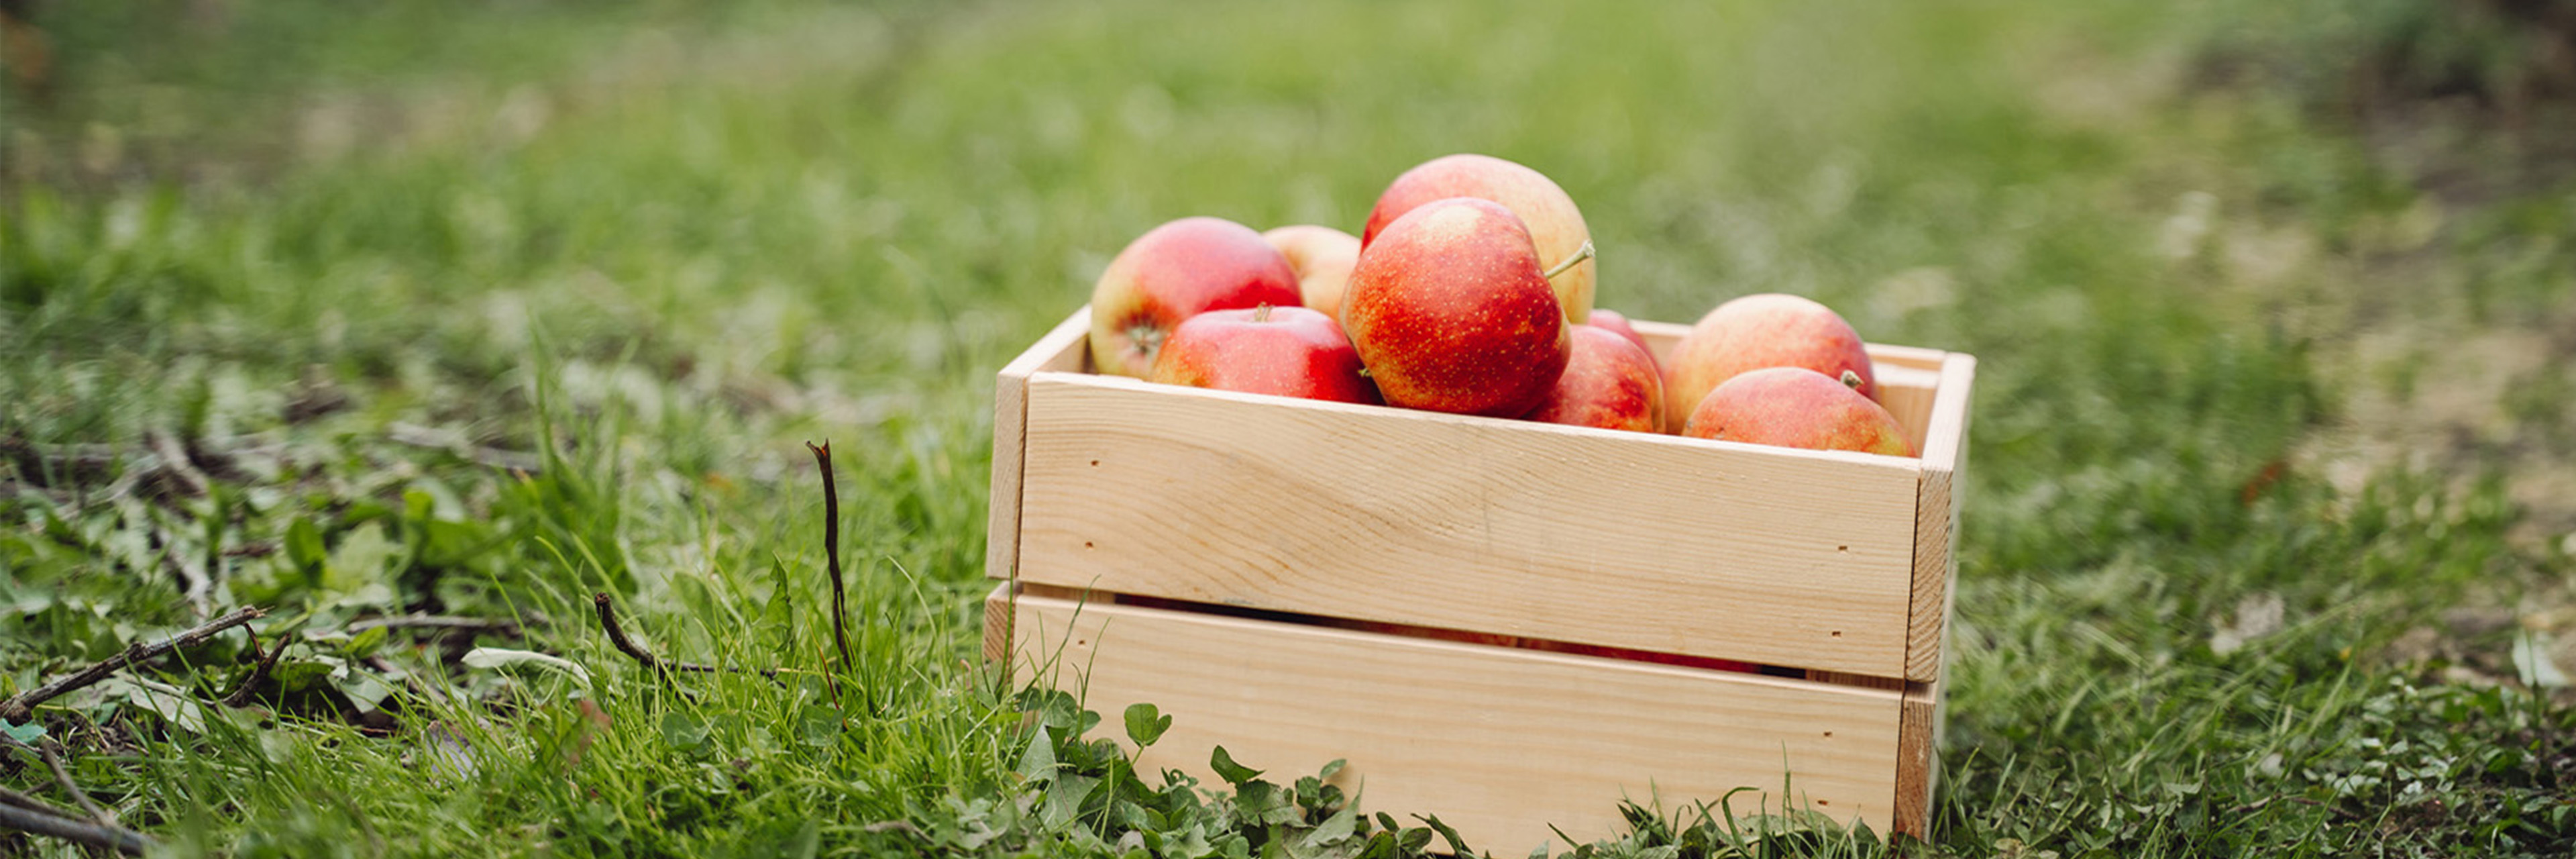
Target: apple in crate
(1288, 351)
(1797, 407)
(1757, 331)
(1555, 225)
(1452, 312)
(1173, 272)
(1616, 323)
(1323, 257)
(1608, 382)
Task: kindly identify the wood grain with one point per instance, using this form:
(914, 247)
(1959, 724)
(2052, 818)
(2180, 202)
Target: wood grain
(1908, 395)
(998, 608)
(1936, 525)
(1063, 348)
(1499, 742)
(1700, 548)
(1918, 761)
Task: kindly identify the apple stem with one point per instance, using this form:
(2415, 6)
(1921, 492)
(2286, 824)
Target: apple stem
(1262, 313)
(1580, 254)
(1851, 380)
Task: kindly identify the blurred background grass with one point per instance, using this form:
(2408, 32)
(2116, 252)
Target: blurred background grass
(2275, 302)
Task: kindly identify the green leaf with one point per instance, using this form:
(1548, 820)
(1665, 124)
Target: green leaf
(1263, 802)
(171, 703)
(780, 612)
(820, 724)
(1145, 724)
(1457, 845)
(1233, 773)
(304, 549)
(1064, 798)
(366, 643)
(364, 690)
(359, 567)
(497, 657)
(28, 733)
(1037, 764)
(1334, 830)
(295, 676)
(683, 731)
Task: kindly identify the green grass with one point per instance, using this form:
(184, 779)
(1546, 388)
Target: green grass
(658, 247)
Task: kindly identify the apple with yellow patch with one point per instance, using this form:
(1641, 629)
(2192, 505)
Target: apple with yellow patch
(1797, 407)
(1555, 226)
(1323, 257)
(1173, 272)
(1757, 331)
(1451, 312)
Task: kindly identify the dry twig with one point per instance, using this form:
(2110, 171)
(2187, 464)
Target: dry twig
(832, 546)
(63, 777)
(241, 696)
(11, 797)
(17, 708)
(101, 836)
(617, 636)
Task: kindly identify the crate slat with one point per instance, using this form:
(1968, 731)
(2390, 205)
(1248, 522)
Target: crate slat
(1062, 348)
(1658, 543)
(1936, 527)
(1500, 742)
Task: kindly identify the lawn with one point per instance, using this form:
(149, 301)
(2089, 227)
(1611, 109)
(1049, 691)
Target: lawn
(479, 309)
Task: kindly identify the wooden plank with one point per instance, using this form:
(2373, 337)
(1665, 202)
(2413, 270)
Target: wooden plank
(1936, 526)
(1061, 349)
(998, 608)
(1908, 394)
(1499, 742)
(1918, 761)
(1905, 357)
(1671, 545)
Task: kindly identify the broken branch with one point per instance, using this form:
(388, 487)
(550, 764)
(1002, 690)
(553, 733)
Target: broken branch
(63, 777)
(16, 708)
(101, 836)
(617, 636)
(241, 696)
(832, 546)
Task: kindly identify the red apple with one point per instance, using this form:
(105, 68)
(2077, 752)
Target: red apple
(1287, 351)
(1757, 331)
(1451, 311)
(1176, 271)
(1555, 225)
(1608, 383)
(1612, 321)
(1797, 407)
(1323, 257)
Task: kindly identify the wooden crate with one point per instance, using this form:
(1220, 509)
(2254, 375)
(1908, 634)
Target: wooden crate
(1513, 625)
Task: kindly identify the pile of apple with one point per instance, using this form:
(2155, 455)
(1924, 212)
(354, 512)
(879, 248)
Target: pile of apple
(1470, 291)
